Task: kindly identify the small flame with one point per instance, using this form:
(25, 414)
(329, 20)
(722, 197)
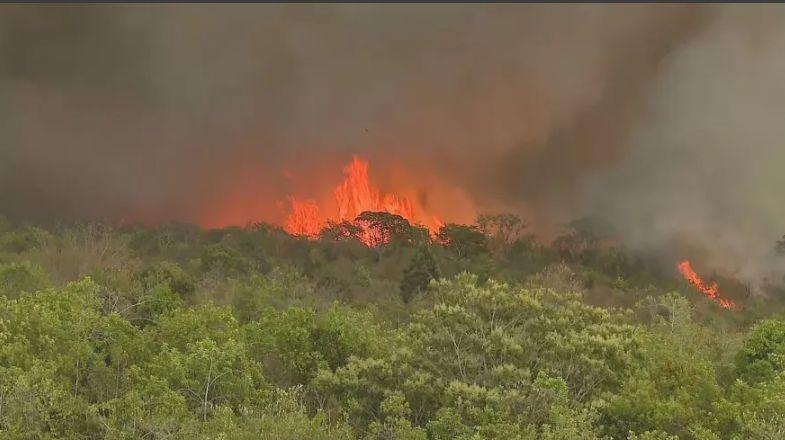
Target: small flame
(437, 225)
(711, 291)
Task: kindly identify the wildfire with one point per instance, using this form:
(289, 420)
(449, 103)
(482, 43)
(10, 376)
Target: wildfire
(438, 223)
(711, 291)
(305, 218)
(355, 195)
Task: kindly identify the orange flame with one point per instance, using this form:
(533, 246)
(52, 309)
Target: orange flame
(355, 195)
(711, 291)
(304, 219)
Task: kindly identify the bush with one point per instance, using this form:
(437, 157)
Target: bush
(19, 278)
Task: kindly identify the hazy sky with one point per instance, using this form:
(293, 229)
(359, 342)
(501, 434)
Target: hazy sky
(668, 119)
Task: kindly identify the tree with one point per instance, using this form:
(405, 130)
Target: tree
(18, 278)
(583, 238)
(381, 228)
(394, 422)
(472, 354)
(167, 274)
(208, 374)
(280, 288)
(760, 408)
(673, 387)
(293, 344)
(140, 350)
(45, 360)
(465, 241)
(341, 231)
(763, 355)
(222, 259)
(422, 268)
(24, 239)
(502, 230)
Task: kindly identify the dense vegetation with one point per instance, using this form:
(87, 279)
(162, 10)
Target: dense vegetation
(481, 332)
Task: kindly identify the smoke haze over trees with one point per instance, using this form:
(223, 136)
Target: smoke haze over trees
(482, 332)
(662, 118)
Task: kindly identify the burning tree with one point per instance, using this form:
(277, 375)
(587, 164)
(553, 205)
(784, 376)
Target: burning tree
(354, 197)
(341, 231)
(381, 228)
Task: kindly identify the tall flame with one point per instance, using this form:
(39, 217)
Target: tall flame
(355, 195)
(711, 291)
(305, 218)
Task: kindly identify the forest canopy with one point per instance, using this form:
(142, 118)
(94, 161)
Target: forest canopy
(476, 332)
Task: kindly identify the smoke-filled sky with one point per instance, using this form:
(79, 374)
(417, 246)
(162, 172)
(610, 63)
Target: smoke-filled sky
(669, 120)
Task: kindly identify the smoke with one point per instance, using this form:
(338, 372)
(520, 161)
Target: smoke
(145, 112)
(703, 171)
(663, 118)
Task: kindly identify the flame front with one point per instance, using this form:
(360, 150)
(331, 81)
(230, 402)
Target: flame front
(355, 195)
(711, 291)
(305, 218)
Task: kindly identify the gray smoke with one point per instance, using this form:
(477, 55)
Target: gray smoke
(702, 173)
(664, 118)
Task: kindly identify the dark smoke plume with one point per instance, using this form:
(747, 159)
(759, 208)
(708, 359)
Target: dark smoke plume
(664, 118)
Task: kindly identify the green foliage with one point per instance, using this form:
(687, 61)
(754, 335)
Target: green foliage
(295, 344)
(279, 288)
(464, 241)
(651, 435)
(19, 278)
(501, 230)
(474, 352)
(760, 409)
(763, 355)
(673, 389)
(170, 275)
(24, 239)
(418, 274)
(393, 422)
(244, 333)
(284, 339)
(208, 375)
(222, 260)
